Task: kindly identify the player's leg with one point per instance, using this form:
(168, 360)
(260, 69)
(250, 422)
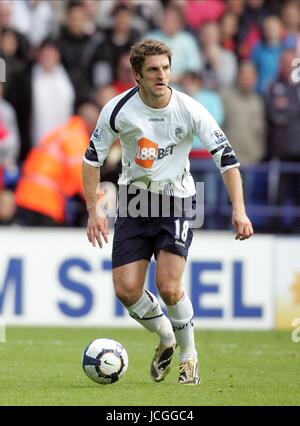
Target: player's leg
(133, 247)
(141, 304)
(144, 307)
(169, 271)
(129, 281)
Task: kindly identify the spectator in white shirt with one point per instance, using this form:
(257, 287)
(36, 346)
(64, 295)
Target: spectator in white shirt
(52, 92)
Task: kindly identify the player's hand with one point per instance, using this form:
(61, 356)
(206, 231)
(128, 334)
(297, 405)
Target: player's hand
(242, 224)
(97, 228)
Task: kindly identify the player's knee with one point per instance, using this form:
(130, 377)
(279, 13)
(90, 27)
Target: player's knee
(126, 292)
(169, 294)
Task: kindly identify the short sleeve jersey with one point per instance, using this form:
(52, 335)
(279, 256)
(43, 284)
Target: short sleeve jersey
(155, 143)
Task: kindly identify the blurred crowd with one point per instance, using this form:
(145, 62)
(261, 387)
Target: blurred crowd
(63, 60)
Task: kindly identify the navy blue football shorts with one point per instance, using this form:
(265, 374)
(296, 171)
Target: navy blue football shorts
(137, 238)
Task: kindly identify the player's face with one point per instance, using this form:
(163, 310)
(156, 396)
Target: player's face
(155, 75)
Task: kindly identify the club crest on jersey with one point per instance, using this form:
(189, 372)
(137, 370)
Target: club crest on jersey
(179, 133)
(219, 137)
(97, 135)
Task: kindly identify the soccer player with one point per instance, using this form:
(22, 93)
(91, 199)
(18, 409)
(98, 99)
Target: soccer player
(156, 126)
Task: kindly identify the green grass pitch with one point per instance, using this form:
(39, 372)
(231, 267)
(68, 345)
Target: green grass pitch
(42, 366)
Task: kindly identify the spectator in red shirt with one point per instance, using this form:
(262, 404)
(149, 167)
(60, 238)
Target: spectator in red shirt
(250, 26)
(199, 11)
(124, 80)
(229, 29)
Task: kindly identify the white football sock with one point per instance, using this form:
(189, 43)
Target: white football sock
(147, 311)
(181, 316)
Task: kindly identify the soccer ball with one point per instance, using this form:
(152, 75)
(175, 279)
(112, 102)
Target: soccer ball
(104, 361)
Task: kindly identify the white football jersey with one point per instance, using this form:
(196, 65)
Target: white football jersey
(155, 143)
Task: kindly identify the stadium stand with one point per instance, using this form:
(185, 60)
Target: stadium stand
(211, 41)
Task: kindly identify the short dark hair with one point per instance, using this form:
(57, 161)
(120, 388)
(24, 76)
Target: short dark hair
(144, 48)
(120, 8)
(72, 4)
(48, 41)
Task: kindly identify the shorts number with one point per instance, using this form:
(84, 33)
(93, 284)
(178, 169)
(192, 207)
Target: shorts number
(185, 227)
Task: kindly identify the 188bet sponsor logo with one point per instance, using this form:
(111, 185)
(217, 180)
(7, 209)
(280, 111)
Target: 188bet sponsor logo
(148, 151)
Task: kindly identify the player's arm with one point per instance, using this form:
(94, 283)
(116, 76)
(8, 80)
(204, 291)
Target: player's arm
(240, 220)
(100, 143)
(224, 157)
(97, 222)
